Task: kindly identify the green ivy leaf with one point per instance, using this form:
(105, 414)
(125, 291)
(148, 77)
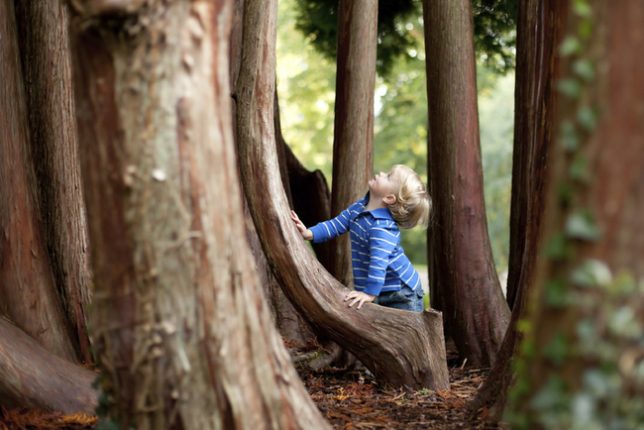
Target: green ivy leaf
(557, 248)
(586, 333)
(579, 169)
(591, 273)
(624, 323)
(581, 225)
(569, 87)
(568, 136)
(556, 294)
(585, 29)
(587, 118)
(582, 8)
(557, 349)
(565, 193)
(584, 69)
(569, 46)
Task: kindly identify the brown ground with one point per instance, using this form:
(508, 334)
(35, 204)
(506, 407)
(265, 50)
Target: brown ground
(353, 400)
(348, 399)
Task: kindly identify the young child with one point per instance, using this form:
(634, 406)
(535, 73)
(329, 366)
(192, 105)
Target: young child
(381, 270)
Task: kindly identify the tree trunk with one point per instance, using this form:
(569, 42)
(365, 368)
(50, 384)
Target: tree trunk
(183, 335)
(28, 293)
(463, 280)
(353, 127)
(540, 28)
(32, 377)
(587, 304)
(291, 326)
(401, 348)
(46, 64)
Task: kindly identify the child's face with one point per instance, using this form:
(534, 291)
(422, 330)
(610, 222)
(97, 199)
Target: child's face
(385, 184)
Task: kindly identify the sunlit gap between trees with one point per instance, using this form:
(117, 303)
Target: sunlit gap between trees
(306, 86)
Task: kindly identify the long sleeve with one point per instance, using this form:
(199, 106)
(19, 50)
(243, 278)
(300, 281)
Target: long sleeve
(383, 240)
(334, 227)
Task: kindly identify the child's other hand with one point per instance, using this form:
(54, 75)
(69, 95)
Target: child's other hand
(359, 297)
(306, 233)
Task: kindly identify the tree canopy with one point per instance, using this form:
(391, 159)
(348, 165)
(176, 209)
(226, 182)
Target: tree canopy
(494, 36)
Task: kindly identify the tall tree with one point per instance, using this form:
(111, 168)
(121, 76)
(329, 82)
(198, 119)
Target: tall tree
(540, 29)
(463, 279)
(183, 335)
(583, 340)
(46, 65)
(28, 293)
(353, 130)
(401, 348)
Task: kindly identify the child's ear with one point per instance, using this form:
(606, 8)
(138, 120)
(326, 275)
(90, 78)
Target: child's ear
(389, 199)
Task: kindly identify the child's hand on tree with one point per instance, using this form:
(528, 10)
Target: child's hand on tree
(359, 297)
(306, 233)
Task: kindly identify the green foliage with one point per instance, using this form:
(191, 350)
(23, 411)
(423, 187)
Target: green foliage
(400, 30)
(494, 32)
(317, 21)
(306, 82)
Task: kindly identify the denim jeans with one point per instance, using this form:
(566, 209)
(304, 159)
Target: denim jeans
(405, 299)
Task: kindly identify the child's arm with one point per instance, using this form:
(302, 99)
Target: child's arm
(332, 228)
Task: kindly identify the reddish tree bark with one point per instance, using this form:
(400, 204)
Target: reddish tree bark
(540, 28)
(353, 126)
(611, 191)
(46, 65)
(401, 348)
(290, 325)
(183, 334)
(463, 280)
(28, 293)
(32, 377)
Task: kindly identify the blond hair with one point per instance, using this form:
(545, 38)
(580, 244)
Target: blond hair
(413, 203)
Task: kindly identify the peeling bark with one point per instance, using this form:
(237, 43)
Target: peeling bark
(183, 335)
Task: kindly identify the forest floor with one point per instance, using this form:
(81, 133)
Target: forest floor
(354, 400)
(348, 399)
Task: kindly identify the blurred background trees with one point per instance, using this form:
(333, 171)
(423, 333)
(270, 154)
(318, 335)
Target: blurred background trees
(306, 84)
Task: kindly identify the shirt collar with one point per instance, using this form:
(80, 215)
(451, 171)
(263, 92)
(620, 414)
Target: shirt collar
(380, 213)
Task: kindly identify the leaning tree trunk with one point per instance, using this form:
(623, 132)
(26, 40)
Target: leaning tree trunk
(463, 279)
(291, 326)
(353, 127)
(28, 293)
(586, 314)
(32, 377)
(183, 335)
(46, 65)
(540, 27)
(401, 348)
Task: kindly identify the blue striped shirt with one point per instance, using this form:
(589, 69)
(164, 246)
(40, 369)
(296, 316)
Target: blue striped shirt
(379, 262)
